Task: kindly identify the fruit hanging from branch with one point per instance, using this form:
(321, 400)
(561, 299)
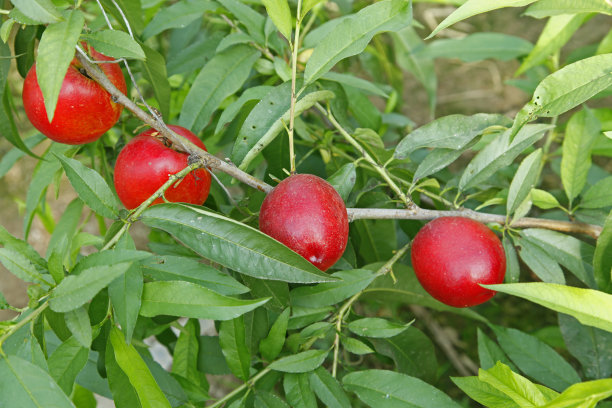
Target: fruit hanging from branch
(451, 256)
(308, 215)
(145, 163)
(84, 111)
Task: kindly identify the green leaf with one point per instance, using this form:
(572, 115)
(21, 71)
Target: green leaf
(586, 394)
(22, 247)
(265, 399)
(513, 269)
(66, 362)
(452, 132)
(412, 351)
(355, 82)
(263, 123)
(500, 153)
(109, 257)
(376, 327)
(125, 294)
(298, 391)
(538, 260)
(387, 389)
(55, 52)
(177, 298)
(172, 268)
(221, 77)
(271, 346)
(154, 70)
(123, 393)
(525, 178)
(301, 362)
(91, 187)
(546, 8)
(276, 290)
(303, 316)
(233, 344)
(26, 385)
(554, 36)
(352, 35)
(355, 346)
(602, 264)
(149, 393)
(251, 94)
(543, 199)
(580, 134)
(484, 393)
(536, 359)
(328, 390)
(343, 180)
(21, 267)
(478, 47)
(115, 44)
(39, 10)
(591, 346)
(177, 15)
(79, 325)
(185, 356)
(566, 88)
(327, 294)
(74, 291)
(518, 388)
(232, 244)
(489, 353)
(599, 195)
(473, 7)
(252, 20)
(587, 305)
(308, 5)
(279, 12)
(210, 358)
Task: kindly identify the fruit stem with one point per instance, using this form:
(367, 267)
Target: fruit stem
(295, 45)
(249, 383)
(380, 169)
(173, 178)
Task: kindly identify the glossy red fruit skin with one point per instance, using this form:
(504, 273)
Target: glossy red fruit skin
(308, 215)
(452, 255)
(144, 164)
(84, 110)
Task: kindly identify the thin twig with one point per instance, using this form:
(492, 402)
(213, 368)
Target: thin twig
(294, 56)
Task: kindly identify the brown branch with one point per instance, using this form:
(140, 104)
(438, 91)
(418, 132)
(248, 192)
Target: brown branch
(414, 213)
(424, 214)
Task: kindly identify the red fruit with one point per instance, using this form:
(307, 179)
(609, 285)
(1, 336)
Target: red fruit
(145, 163)
(84, 110)
(306, 213)
(452, 255)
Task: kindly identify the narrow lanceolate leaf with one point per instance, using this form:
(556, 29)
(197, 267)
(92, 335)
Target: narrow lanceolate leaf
(546, 8)
(326, 294)
(74, 291)
(109, 257)
(264, 399)
(353, 34)
(21, 267)
(232, 244)
(185, 356)
(279, 12)
(580, 134)
(586, 394)
(125, 294)
(388, 389)
(178, 15)
(499, 153)
(328, 390)
(79, 325)
(271, 346)
(298, 391)
(518, 388)
(254, 144)
(230, 112)
(154, 70)
(555, 35)
(490, 353)
(22, 247)
(484, 393)
(536, 359)
(343, 180)
(26, 385)
(42, 11)
(232, 338)
(479, 46)
(473, 7)
(221, 76)
(602, 261)
(589, 306)
(376, 327)
(538, 260)
(128, 359)
(66, 362)
(452, 132)
(566, 88)
(115, 43)
(177, 298)
(91, 187)
(524, 180)
(599, 195)
(301, 362)
(55, 51)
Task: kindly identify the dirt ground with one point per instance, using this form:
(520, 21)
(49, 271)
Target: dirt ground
(462, 88)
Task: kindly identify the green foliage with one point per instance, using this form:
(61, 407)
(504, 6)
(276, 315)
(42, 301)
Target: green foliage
(336, 78)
